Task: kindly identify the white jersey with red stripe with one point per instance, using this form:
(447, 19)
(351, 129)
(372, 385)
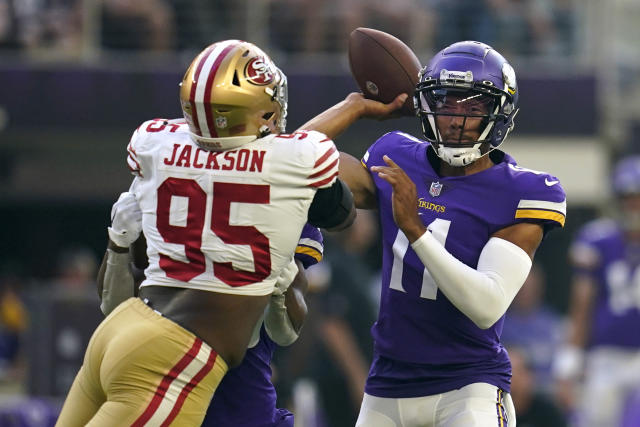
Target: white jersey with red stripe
(224, 221)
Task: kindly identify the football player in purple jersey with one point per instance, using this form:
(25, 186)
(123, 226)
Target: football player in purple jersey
(603, 342)
(252, 379)
(461, 222)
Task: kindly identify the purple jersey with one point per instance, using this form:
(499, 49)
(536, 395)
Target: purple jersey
(246, 396)
(423, 344)
(601, 252)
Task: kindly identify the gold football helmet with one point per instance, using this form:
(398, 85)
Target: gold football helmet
(231, 94)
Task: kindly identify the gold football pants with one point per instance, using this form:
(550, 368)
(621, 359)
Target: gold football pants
(142, 369)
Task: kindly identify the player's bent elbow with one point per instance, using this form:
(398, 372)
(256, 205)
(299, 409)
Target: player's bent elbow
(489, 313)
(348, 222)
(485, 322)
(332, 208)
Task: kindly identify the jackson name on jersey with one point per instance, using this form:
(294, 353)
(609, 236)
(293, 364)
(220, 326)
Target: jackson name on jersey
(224, 221)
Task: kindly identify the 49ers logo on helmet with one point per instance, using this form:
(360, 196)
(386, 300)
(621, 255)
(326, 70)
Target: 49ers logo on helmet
(259, 71)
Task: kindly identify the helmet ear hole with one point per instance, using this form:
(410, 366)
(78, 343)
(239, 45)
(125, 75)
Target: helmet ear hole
(235, 80)
(268, 116)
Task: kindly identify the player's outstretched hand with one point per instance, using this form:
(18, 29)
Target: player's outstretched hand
(377, 110)
(404, 198)
(126, 220)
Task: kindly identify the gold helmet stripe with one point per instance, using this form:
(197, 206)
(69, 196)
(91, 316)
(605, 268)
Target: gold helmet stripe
(203, 84)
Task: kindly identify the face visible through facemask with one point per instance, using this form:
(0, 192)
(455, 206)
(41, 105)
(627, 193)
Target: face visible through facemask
(461, 117)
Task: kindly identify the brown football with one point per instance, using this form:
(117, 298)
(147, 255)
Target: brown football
(383, 66)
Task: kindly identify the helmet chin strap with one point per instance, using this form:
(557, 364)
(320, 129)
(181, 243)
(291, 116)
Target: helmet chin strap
(459, 156)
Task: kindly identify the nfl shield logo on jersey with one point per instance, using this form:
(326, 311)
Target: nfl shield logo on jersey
(435, 189)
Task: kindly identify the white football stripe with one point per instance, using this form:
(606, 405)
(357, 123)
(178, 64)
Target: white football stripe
(201, 86)
(543, 204)
(312, 243)
(176, 386)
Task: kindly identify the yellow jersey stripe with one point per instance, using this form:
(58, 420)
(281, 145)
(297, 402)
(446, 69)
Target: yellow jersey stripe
(500, 409)
(540, 214)
(314, 253)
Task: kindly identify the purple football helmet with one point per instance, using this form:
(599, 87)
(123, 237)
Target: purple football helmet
(625, 182)
(626, 176)
(471, 81)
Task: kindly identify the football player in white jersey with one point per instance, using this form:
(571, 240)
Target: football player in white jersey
(224, 195)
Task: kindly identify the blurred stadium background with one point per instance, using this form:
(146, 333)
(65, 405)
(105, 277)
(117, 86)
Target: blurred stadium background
(77, 77)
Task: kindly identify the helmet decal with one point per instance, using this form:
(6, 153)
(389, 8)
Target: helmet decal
(454, 77)
(221, 122)
(231, 94)
(259, 71)
(509, 77)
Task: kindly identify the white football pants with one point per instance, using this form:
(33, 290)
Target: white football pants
(475, 405)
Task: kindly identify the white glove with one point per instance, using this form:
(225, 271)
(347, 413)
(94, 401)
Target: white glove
(278, 323)
(285, 278)
(126, 220)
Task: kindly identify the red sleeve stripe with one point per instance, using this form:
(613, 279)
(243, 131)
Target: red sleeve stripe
(134, 171)
(325, 156)
(324, 181)
(132, 156)
(325, 170)
(326, 139)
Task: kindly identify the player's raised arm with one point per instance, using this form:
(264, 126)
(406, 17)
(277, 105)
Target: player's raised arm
(335, 120)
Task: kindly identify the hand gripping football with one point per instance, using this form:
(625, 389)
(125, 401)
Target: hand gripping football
(383, 66)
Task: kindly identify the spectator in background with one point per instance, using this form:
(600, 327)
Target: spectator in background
(534, 327)
(14, 320)
(19, 26)
(603, 344)
(463, 20)
(314, 26)
(77, 268)
(138, 25)
(534, 408)
(61, 25)
(412, 21)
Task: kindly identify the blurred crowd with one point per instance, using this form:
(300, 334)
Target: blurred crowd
(70, 27)
(44, 327)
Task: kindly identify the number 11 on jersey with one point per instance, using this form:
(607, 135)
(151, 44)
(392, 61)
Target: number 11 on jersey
(429, 290)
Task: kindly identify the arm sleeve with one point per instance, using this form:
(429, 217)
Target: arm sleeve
(482, 294)
(331, 206)
(118, 283)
